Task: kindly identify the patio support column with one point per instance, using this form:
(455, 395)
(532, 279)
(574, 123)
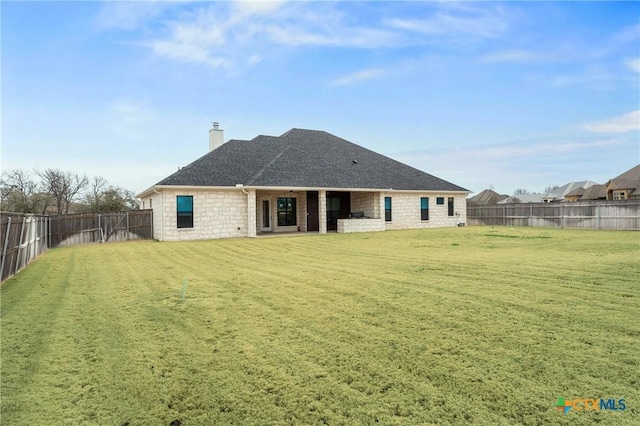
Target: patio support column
(252, 217)
(322, 211)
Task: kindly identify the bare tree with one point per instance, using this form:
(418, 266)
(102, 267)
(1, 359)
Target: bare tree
(103, 197)
(520, 191)
(64, 187)
(19, 193)
(550, 188)
(94, 195)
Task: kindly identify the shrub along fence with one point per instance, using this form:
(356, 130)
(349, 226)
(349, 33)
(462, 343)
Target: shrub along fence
(584, 215)
(25, 236)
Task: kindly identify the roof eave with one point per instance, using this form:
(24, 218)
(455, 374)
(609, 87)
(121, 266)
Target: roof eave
(157, 188)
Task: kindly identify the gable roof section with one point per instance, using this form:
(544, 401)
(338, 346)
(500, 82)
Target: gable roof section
(594, 192)
(628, 180)
(558, 194)
(486, 197)
(522, 198)
(303, 158)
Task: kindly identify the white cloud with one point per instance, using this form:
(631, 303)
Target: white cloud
(231, 33)
(474, 23)
(633, 64)
(187, 52)
(333, 35)
(621, 124)
(129, 15)
(359, 76)
(518, 56)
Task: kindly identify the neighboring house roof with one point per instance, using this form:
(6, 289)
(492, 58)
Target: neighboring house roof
(575, 193)
(629, 180)
(303, 158)
(486, 197)
(561, 192)
(522, 198)
(594, 192)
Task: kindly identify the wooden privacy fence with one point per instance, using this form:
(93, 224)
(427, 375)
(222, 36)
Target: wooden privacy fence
(83, 228)
(24, 236)
(585, 215)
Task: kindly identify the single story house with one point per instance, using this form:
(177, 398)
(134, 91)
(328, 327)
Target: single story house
(301, 181)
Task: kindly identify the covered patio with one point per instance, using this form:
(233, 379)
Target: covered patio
(292, 211)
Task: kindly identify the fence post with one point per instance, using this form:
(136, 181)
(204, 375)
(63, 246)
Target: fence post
(4, 248)
(127, 226)
(15, 269)
(47, 231)
(562, 216)
(29, 237)
(531, 221)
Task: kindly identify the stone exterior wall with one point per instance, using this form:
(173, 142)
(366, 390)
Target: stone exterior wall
(220, 213)
(216, 214)
(367, 202)
(346, 226)
(405, 210)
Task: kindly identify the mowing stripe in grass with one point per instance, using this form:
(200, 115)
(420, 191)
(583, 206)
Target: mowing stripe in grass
(411, 327)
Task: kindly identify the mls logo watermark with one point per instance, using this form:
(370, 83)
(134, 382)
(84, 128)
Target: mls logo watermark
(590, 404)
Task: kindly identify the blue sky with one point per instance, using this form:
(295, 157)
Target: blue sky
(483, 94)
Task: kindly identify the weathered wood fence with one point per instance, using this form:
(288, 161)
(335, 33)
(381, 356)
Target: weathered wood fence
(584, 215)
(83, 228)
(22, 238)
(25, 236)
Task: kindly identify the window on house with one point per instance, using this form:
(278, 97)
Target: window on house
(440, 201)
(619, 195)
(387, 209)
(150, 203)
(185, 211)
(424, 208)
(287, 212)
(450, 205)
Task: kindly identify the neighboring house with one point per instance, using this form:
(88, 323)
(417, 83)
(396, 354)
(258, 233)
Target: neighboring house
(592, 193)
(626, 186)
(522, 198)
(486, 197)
(301, 181)
(559, 194)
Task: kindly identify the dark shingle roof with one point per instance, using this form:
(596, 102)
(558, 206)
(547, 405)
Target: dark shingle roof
(303, 158)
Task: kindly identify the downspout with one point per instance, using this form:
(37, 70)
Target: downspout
(161, 213)
(244, 191)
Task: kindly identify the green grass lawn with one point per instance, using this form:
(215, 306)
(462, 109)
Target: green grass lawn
(471, 325)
